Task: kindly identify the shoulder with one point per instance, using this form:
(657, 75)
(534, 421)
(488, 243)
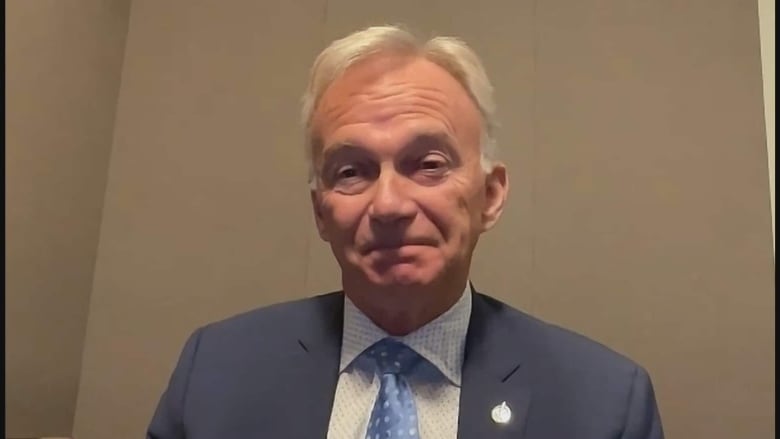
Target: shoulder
(553, 346)
(278, 313)
(272, 325)
(574, 377)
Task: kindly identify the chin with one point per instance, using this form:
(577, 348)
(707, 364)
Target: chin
(401, 275)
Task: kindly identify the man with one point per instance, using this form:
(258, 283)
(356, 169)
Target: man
(400, 135)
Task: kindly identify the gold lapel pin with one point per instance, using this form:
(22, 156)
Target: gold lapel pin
(501, 413)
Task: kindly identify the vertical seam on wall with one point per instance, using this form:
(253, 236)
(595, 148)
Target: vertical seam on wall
(766, 28)
(101, 217)
(534, 122)
(308, 233)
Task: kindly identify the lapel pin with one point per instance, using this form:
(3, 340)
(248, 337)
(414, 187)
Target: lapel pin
(501, 413)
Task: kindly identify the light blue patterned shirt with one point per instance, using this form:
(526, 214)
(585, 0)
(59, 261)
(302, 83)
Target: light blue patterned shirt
(435, 384)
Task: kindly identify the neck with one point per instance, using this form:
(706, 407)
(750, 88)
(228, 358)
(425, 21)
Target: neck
(401, 310)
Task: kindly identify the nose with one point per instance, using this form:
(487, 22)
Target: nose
(391, 201)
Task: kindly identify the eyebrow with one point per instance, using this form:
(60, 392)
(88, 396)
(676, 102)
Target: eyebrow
(339, 148)
(438, 138)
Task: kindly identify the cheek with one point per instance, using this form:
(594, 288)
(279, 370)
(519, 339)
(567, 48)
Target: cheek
(449, 215)
(472, 201)
(455, 209)
(342, 216)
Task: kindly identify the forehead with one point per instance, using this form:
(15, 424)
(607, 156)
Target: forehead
(386, 91)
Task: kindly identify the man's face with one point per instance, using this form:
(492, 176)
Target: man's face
(401, 197)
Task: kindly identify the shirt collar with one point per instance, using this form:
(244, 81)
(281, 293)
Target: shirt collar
(441, 341)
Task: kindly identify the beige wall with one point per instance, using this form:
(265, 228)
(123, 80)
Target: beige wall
(201, 217)
(766, 14)
(636, 145)
(63, 64)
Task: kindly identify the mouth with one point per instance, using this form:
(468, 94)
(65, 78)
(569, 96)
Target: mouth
(394, 246)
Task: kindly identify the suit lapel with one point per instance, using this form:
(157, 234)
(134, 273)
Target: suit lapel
(492, 374)
(314, 372)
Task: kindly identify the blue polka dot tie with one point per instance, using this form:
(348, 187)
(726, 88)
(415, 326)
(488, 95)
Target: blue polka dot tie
(394, 414)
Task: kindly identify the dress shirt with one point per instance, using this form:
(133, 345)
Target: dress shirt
(435, 383)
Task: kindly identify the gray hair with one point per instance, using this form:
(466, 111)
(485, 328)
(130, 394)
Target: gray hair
(450, 53)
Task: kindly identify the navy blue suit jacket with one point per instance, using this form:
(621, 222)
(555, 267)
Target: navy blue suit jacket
(272, 373)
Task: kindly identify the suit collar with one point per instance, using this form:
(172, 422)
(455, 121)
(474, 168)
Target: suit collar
(493, 373)
(322, 334)
(315, 365)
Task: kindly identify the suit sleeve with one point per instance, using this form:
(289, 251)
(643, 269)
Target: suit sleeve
(643, 421)
(167, 422)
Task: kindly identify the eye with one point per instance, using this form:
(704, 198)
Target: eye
(345, 172)
(432, 163)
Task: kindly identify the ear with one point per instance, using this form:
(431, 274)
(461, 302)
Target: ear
(496, 191)
(316, 203)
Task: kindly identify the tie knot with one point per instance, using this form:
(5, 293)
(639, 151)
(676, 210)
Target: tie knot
(392, 356)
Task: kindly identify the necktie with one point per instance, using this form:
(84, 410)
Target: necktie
(394, 414)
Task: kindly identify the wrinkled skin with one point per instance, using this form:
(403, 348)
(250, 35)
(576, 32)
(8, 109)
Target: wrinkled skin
(401, 197)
